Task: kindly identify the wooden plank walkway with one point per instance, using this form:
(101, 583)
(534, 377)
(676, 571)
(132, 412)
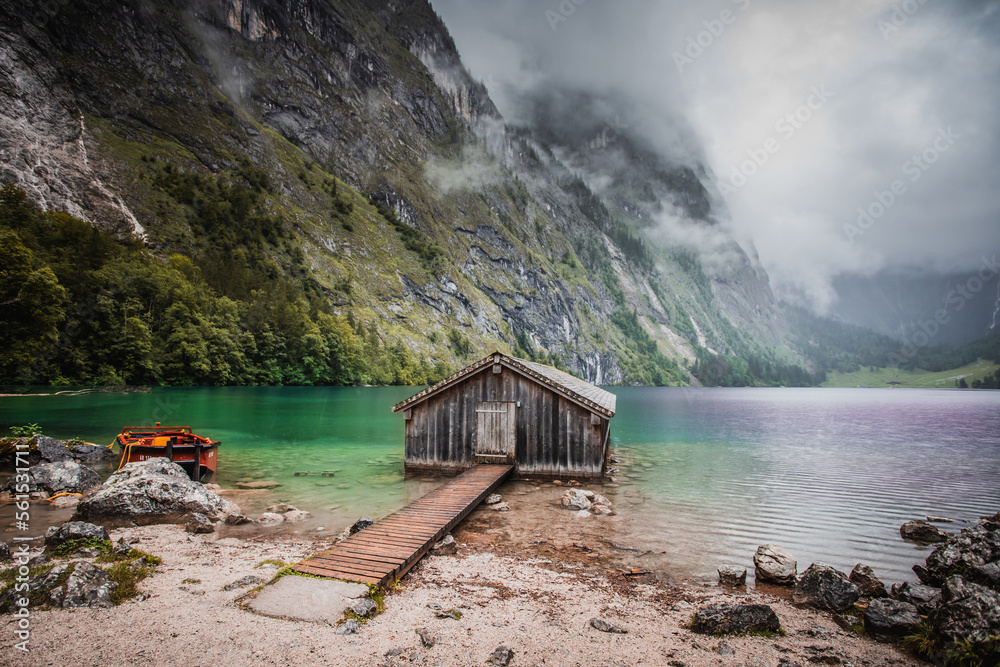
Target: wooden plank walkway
(382, 553)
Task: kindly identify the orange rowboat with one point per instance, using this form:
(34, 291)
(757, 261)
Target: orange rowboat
(177, 443)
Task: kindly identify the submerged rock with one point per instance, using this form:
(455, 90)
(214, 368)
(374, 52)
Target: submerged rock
(154, 491)
(269, 519)
(772, 564)
(493, 499)
(921, 532)
(732, 575)
(823, 587)
(864, 578)
(735, 619)
(891, 619)
(575, 499)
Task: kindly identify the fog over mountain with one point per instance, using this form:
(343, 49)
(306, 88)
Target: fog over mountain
(847, 139)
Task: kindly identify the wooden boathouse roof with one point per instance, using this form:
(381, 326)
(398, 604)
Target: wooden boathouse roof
(574, 389)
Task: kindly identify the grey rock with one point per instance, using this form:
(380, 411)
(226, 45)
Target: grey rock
(772, 564)
(154, 491)
(604, 626)
(44, 581)
(4, 552)
(361, 524)
(921, 532)
(823, 587)
(198, 523)
(363, 607)
(985, 575)
(349, 627)
(237, 519)
(501, 656)
(968, 611)
(269, 519)
(575, 499)
(296, 516)
(281, 508)
(51, 450)
(86, 451)
(735, 619)
(74, 530)
(426, 637)
(725, 650)
(870, 585)
(974, 546)
(732, 575)
(891, 619)
(924, 598)
(243, 582)
(88, 586)
(65, 476)
(500, 507)
(121, 547)
(493, 499)
(38, 561)
(445, 547)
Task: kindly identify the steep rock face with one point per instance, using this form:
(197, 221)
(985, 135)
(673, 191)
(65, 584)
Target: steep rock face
(374, 94)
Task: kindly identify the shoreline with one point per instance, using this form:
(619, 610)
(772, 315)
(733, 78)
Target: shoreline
(537, 601)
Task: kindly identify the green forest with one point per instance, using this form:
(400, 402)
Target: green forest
(82, 306)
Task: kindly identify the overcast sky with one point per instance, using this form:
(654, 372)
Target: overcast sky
(833, 98)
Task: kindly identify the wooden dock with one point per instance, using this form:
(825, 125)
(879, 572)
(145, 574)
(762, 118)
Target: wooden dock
(382, 553)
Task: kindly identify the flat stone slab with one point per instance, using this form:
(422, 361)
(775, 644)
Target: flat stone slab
(307, 599)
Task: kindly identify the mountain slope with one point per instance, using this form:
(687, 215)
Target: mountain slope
(342, 150)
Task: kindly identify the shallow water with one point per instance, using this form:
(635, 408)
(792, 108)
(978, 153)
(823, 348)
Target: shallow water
(709, 474)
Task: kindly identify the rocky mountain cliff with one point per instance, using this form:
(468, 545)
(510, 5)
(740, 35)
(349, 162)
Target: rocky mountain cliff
(409, 203)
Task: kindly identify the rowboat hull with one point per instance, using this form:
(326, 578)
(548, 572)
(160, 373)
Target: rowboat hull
(178, 444)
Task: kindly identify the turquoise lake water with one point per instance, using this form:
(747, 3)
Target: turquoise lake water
(708, 474)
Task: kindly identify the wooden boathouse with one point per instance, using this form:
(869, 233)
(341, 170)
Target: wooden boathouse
(544, 422)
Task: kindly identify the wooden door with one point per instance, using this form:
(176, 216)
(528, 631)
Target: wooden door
(496, 432)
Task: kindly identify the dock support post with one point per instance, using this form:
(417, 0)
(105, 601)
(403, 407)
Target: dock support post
(196, 470)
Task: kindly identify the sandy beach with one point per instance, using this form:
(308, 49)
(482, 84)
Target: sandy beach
(537, 601)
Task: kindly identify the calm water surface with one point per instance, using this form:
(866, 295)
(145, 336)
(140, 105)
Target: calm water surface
(708, 474)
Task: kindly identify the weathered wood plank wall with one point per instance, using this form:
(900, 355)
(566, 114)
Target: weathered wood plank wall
(556, 437)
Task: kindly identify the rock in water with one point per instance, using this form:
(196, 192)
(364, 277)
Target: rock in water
(891, 619)
(60, 477)
(296, 516)
(575, 499)
(269, 519)
(772, 564)
(823, 587)
(154, 491)
(493, 499)
(732, 575)
(870, 586)
(735, 619)
(922, 532)
(361, 524)
(74, 530)
(968, 611)
(974, 546)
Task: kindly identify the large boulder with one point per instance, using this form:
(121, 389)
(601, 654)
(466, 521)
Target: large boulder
(972, 547)
(86, 451)
(985, 575)
(968, 611)
(922, 532)
(891, 619)
(719, 619)
(864, 578)
(774, 565)
(924, 598)
(52, 478)
(43, 449)
(823, 587)
(74, 530)
(153, 491)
